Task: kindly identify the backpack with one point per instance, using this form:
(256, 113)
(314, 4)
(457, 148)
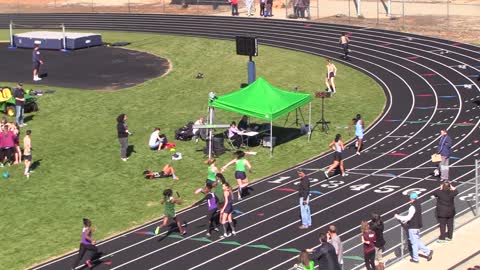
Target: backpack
(184, 133)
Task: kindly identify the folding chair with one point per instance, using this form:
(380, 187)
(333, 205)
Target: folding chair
(231, 147)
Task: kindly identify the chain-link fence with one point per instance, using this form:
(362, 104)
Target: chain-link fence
(396, 248)
(457, 19)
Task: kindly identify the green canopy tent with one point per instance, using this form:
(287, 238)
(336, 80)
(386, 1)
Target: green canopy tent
(264, 101)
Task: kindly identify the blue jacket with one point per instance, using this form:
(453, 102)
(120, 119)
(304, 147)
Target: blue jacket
(444, 146)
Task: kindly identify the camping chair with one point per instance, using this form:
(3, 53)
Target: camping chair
(230, 142)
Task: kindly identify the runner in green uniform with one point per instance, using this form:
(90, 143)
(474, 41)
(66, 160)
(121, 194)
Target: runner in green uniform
(211, 176)
(170, 215)
(241, 165)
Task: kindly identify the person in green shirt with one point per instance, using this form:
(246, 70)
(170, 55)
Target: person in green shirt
(241, 165)
(211, 176)
(304, 262)
(170, 215)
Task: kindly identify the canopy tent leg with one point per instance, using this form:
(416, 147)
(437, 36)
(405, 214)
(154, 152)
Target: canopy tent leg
(271, 138)
(309, 120)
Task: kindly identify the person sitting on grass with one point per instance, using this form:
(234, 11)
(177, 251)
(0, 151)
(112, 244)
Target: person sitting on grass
(167, 171)
(157, 141)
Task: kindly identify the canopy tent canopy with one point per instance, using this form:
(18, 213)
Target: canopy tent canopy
(261, 100)
(264, 101)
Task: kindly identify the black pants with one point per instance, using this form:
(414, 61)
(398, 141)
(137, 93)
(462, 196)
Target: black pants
(6, 153)
(444, 224)
(262, 9)
(370, 260)
(212, 217)
(345, 50)
(84, 248)
(123, 146)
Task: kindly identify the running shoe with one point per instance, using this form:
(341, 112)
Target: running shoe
(216, 229)
(344, 174)
(157, 230)
(226, 235)
(184, 232)
(234, 233)
(208, 234)
(326, 174)
(89, 264)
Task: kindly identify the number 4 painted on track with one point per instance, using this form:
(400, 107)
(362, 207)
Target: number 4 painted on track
(279, 180)
(359, 187)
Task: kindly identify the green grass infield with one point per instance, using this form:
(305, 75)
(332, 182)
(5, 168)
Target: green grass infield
(74, 141)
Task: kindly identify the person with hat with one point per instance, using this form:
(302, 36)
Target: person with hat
(19, 95)
(37, 62)
(413, 221)
(304, 194)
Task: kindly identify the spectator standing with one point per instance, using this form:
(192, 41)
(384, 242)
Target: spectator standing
(86, 244)
(376, 225)
(345, 41)
(336, 242)
(262, 8)
(123, 133)
(19, 95)
(445, 210)
(37, 62)
(325, 255)
(250, 5)
(413, 220)
(7, 146)
(301, 9)
(368, 240)
(330, 79)
(307, 9)
(234, 4)
(304, 194)
(444, 149)
(269, 8)
(27, 152)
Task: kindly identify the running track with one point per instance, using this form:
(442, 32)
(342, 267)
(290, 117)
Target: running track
(424, 80)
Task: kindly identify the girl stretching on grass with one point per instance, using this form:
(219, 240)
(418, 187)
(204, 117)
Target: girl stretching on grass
(170, 202)
(240, 171)
(227, 210)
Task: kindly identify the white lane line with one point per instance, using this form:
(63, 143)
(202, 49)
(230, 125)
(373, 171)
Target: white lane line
(314, 230)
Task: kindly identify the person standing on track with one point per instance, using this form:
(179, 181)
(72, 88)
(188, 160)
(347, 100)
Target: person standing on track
(413, 220)
(169, 213)
(324, 255)
(37, 62)
(334, 239)
(240, 172)
(227, 210)
(359, 127)
(444, 149)
(338, 148)
(345, 41)
(330, 79)
(87, 244)
(212, 208)
(304, 194)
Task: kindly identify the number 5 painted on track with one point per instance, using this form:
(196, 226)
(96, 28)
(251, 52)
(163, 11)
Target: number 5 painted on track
(386, 189)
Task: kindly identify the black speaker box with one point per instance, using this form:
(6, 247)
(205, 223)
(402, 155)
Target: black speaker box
(247, 46)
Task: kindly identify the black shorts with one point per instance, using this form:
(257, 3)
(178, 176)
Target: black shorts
(240, 175)
(337, 156)
(211, 214)
(209, 183)
(36, 65)
(27, 157)
(330, 75)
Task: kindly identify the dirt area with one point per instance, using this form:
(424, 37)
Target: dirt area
(456, 20)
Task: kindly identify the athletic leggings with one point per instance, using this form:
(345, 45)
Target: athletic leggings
(370, 260)
(84, 248)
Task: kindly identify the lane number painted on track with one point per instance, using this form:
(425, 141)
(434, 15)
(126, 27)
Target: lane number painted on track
(314, 180)
(416, 190)
(469, 197)
(386, 189)
(359, 187)
(279, 180)
(332, 184)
